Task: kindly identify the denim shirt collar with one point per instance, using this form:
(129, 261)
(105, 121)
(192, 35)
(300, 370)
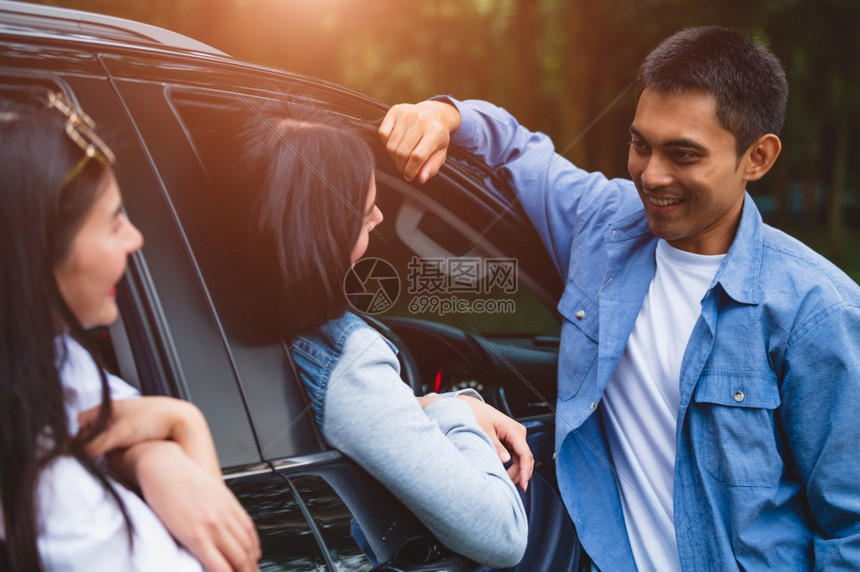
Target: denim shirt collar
(740, 273)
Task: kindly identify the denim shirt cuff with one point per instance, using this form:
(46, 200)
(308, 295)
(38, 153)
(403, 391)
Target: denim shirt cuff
(466, 133)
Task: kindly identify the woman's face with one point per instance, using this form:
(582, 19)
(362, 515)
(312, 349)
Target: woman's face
(372, 216)
(96, 261)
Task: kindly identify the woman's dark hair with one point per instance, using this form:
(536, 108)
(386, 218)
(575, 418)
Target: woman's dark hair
(39, 217)
(746, 79)
(307, 177)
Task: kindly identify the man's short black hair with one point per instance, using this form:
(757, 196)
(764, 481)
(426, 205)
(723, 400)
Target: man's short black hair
(746, 79)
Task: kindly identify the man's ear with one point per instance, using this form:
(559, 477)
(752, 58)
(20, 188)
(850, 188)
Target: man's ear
(761, 156)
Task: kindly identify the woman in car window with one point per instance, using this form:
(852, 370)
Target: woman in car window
(312, 211)
(64, 240)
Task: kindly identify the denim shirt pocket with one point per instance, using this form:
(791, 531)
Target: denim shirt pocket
(579, 333)
(733, 421)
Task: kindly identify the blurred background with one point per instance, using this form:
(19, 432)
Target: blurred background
(565, 67)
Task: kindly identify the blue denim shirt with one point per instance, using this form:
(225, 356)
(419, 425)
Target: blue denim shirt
(767, 466)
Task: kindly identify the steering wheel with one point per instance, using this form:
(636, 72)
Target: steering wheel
(408, 368)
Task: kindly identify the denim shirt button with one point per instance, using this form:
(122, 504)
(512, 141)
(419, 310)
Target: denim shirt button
(580, 314)
(739, 396)
(592, 406)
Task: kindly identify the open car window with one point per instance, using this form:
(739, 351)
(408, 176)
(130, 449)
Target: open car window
(440, 255)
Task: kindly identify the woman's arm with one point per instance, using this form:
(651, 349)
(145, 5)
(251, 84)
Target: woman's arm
(506, 434)
(154, 418)
(438, 461)
(164, 446)
(195, 506)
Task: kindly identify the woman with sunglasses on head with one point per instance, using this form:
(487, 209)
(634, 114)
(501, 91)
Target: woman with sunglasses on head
(69, 431)
(307, 187)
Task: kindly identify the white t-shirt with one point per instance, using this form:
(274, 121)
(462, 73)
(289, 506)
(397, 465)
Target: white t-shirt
(81, 528)
(640, 403)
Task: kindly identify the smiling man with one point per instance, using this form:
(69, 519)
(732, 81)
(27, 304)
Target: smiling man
(709, 368)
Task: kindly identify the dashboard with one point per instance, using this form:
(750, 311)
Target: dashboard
(515, 375)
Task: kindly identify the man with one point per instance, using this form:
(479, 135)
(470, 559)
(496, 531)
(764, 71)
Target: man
(709, 369)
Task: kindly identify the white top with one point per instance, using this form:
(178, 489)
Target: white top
(80, 526)
(640, 404)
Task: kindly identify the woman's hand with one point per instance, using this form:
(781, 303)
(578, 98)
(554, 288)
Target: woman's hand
(196, 507)
(154, 418)
(509, 437)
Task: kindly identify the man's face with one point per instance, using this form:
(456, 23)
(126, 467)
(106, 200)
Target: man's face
(685, 167)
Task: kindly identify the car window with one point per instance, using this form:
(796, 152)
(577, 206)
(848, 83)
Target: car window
(208, 297)
(447, 269)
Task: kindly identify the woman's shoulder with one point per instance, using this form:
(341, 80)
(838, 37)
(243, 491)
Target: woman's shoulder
(342, 349)
(330, 339)
(340, 329)
(82, 381)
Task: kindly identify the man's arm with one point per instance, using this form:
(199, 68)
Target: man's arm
(560, 199)
(821, 398)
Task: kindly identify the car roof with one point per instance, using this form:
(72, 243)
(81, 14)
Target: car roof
(88, 31)
(50, 21)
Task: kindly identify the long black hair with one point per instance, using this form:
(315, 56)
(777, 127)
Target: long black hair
(39, 217)
(305, 184)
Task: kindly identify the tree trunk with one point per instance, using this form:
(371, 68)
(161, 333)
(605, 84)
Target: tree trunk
(526, 73)
(836, 197)
(781, 194)
(578, 21)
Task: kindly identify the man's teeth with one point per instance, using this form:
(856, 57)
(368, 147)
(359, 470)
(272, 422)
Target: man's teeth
(663, 202)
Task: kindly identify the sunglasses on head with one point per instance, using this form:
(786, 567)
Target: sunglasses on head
(79, 128)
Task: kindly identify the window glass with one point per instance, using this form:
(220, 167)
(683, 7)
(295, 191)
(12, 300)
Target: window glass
(448, 269)
(203, 192)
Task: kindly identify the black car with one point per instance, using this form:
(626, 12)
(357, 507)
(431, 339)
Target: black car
(457, 274)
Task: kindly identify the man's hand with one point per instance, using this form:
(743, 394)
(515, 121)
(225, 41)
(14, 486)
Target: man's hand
(508, 436)
(417, 136)
(197, 509)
